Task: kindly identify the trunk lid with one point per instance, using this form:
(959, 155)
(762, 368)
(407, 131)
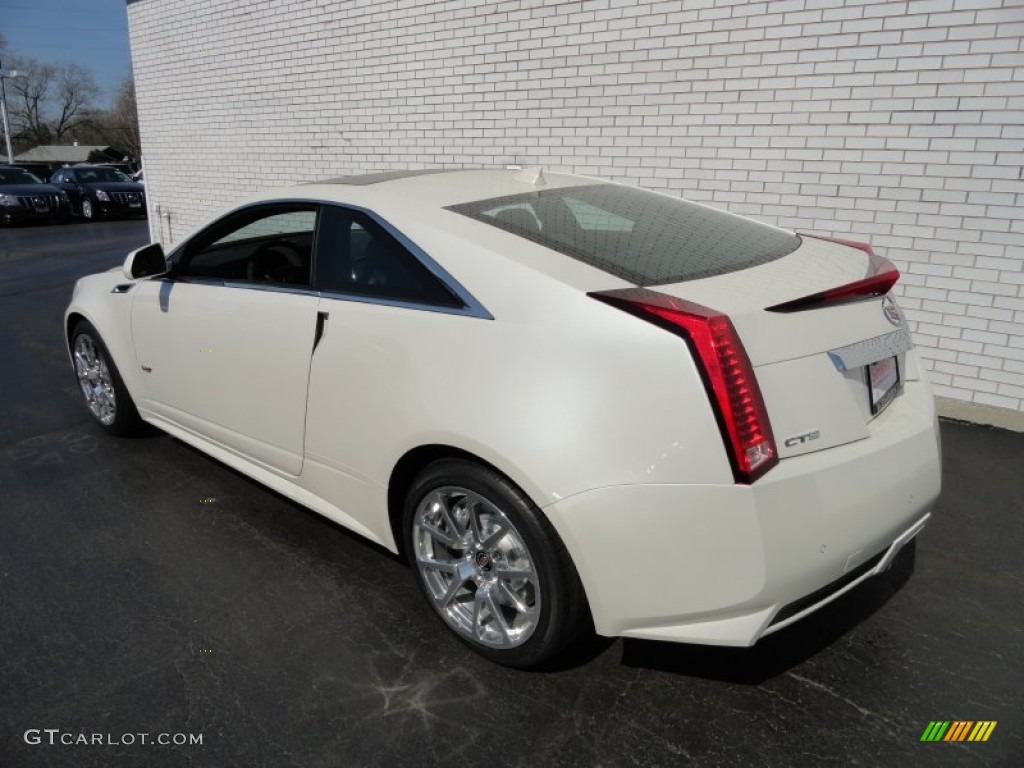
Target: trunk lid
(812, 364)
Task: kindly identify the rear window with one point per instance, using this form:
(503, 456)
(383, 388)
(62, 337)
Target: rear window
(640, 236)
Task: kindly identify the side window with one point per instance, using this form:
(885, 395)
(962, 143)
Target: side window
(360, 257)
(269, 244)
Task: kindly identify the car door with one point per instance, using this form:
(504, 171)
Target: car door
(224, 341)
(385, 308)
(66, 181)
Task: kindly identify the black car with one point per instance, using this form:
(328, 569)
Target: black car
(42, 170)
(23, 197)
(97, 191)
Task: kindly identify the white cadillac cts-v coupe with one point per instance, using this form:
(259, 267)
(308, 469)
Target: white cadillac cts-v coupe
(559, 397)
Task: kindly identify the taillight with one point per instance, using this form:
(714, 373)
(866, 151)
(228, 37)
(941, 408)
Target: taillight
(882, 276)
(724, 367)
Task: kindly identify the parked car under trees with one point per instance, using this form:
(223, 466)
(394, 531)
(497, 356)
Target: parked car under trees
(26, 198)
(99, 192)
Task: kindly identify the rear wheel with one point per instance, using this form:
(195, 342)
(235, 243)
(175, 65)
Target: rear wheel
(105, 394)
(491, 565)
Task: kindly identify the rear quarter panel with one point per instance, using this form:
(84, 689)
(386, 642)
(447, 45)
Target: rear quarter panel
(559, 391)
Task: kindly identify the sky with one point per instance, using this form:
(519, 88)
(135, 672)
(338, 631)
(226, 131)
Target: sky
(93, 33)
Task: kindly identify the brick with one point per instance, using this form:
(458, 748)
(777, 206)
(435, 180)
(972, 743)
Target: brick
(1003, 376)
(956, 369)
(1009, 302)
(1012, 390)
(929, 6)
(975, 383)
(998, 401)
(984, 337)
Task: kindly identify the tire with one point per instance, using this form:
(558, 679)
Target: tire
(88, 211)
(491, 565)
(105, 394)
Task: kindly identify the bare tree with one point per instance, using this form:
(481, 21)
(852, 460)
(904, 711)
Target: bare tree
(74, 93)
(122, 120)
(28, 99)
(50, 105)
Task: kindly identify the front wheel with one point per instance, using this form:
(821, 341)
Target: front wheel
(491, 565)
(105, 393)
(88, 211)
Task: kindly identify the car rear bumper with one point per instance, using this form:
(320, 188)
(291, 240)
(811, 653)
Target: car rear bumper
(118, 209)
(727, 564)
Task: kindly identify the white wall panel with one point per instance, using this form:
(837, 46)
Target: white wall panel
(898, 122)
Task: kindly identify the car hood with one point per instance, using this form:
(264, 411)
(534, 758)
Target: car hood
(29, 189)
(114, 186)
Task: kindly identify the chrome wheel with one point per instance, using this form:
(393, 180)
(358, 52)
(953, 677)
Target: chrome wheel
(87, 210)
(476, 568)
(95, 380)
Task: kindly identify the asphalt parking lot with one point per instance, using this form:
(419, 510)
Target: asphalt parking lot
(145, 588)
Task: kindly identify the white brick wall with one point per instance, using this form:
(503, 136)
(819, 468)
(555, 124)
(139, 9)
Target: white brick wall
(898, 122)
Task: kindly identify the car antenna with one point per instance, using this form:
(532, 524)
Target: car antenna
(532, 176)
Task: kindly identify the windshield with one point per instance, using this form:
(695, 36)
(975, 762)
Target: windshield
(92, 175)
(17, 176)
(640, 236)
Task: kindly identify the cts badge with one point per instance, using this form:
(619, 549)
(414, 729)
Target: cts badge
(806, 437)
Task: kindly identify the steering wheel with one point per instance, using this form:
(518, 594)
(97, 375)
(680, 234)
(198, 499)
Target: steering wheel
(272, 260)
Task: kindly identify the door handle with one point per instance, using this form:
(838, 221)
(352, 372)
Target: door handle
(321, 328)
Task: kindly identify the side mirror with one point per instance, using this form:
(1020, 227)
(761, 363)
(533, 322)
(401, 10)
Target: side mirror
(147, 261)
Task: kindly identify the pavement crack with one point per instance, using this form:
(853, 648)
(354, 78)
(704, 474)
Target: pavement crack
(825, 689)
(187, 691)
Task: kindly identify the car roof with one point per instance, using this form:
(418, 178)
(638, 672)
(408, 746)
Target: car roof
(415, 202)
(365, 179)
(440, 187)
